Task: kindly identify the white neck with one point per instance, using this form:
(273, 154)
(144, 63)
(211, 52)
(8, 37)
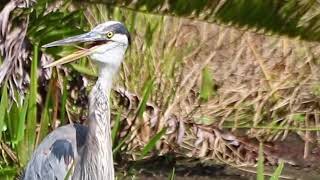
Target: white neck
(105, 77)
(96, 161)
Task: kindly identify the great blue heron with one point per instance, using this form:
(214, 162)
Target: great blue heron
(88, 148)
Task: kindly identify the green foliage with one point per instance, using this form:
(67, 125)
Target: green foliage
(63, 102)
(7, 173)
(298, 117)
(120, 144)
(3, 107)
(292, 18)
(30, 137)
(152, 143)
(146, 94)
(172, 176)
(84, 69)
(43, 27)
(19, 120)
(22, 120)
(70, 171)
(47, 27)
(44, 119)
(260, 168)
(315, 89)
(115, 128)
(277, 172)
(205, 120)
(206, 90)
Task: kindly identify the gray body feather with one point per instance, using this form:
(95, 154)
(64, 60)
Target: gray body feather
(55, 155)
(89, 147)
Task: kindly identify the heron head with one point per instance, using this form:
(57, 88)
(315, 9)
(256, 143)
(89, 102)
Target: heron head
(106, 44)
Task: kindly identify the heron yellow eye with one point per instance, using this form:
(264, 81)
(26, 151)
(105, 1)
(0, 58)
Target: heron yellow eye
(109, 34)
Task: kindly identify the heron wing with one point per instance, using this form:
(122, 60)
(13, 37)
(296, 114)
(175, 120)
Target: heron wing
(54, 157)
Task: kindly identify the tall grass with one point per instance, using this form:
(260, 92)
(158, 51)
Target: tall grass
(32, 105)
(260, 168)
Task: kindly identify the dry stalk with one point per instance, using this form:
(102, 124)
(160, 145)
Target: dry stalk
(260, 61)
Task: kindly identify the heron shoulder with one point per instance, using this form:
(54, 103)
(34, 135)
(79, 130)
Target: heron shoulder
(55, 155)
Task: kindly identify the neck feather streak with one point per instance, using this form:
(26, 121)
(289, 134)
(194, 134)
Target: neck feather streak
(96, 163)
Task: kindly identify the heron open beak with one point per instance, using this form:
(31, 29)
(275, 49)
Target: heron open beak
(93, 37)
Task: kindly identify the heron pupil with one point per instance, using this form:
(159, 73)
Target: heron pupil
(109, 34)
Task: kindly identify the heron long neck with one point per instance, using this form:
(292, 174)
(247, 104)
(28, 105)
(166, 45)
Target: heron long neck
(97, 162)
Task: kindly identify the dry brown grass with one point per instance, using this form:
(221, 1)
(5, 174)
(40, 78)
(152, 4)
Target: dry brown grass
(265, 88)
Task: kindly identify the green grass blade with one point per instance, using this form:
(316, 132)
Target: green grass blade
(3, 106)
(8, 171)
(206, 90)
(84, 70)
(172, 176)
(152, 143)
(260, 168)
(32, 108)
(115, 128)
(22, 119)
(277, 172)
(121, 143)
(44, 122)
(12, 121)
(70, 171)
(21, 152)
(64, 101)
(146, 94)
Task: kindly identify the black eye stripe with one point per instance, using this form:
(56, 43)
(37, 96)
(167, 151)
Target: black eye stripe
(117, 28)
